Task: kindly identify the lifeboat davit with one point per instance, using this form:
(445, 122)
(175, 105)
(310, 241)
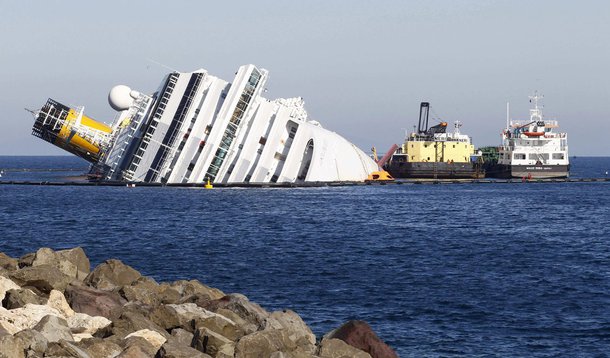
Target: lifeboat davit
(534, 134)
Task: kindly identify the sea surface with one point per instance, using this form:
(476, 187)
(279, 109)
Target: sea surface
(500, 269)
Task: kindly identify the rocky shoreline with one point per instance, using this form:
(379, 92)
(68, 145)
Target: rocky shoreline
(54, 305)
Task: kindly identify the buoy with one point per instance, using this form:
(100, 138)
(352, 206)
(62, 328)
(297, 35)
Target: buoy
(208, 185)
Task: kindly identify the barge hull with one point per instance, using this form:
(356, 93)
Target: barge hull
(439, 170)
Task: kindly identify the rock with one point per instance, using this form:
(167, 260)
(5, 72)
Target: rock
(209, 342)
(144, 346)
(80, 336)
(72, 350)
(265, 343)
(58, 301)
(11, 347)
(8, 263)
(152, 337)
(78, 258)
(360, 335)
(24, 317)
(187, 312)
(130, 322)
(134, 352)
(182, 336)
(112, 274)
(33, 341)
(144, 290)
(336, 348)
(168, 294)
(194, 287)
(94, 302)
(43, 277)
(222, 326)
(26, 260)
(99, 348)
(239, 304)
(226, 351)
(290, 320)
(244, 325)
(167, 317)
(16, 298)
(173, 349)
(83, 323)
(54, 328)
(5, 285)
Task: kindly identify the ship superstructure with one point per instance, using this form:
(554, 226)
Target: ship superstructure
(435, 153)
(532, 148)
(197, 127)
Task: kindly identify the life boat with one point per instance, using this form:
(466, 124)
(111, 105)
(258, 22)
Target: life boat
(534, 134)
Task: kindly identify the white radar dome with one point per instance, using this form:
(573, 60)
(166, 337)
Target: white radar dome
(121, 97)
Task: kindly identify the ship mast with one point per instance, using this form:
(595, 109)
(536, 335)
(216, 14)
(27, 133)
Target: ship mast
(536, 112)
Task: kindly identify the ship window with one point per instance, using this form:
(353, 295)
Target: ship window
(519, 156)
(428, 158)
(558, 156)
(454, 146)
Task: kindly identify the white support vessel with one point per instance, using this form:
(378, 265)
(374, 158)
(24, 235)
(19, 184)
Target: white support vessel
(198, 127)
(532, 149)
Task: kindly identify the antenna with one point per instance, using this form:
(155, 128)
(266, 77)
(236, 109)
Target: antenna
(162, 65)
(507, 115)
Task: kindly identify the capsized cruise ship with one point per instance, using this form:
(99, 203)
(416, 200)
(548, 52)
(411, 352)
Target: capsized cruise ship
(198, 127)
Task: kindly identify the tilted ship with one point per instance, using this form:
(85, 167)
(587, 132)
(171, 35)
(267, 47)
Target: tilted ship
(531, 149)
(435, 153)
(197, 127)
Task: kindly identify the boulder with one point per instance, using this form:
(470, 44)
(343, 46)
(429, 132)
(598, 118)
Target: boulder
(5, 285)
(336, 348)
(135, 352)
(360, 335)
(94, 302)
(267, 342)
(33, 341)
(16, 298)
(182, 336)
(167, 317)
(24, 317)
(99, 348)
(239, 304)
(78, 258)
(83, 323)
(112, 274)
(43, 277)
(291, 321)
(8, 263)
(167, 294)
(173, 349)
(11, 347)
(26, 260)
(64, 348)
(142, 346)
(130, 322)
(244, 325)
(186, 313)
(54, 328)
(144, 290)
(58, 301)
(194, 287)
(222, 326)
(227, 351)
(152, 337)
(209, 342)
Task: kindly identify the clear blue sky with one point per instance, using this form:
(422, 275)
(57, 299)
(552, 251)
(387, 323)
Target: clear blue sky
(362, 66)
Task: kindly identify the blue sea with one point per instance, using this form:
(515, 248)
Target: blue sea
(488, 269)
